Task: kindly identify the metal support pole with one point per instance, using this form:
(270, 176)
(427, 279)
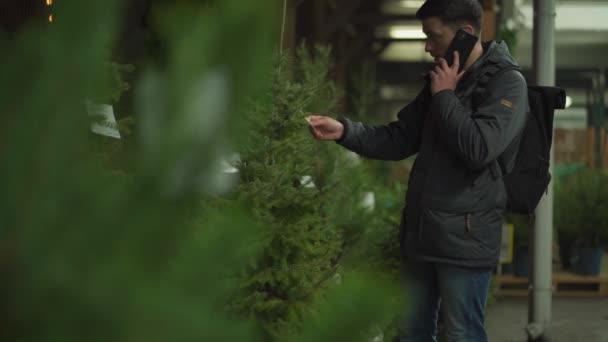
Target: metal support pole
(599, 88)
(595, 121)
(542, 240)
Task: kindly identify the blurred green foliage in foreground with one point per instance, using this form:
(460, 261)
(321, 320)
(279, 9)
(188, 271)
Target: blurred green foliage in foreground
(91, 251)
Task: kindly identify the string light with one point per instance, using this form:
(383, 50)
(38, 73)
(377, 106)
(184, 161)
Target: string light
(49, 3)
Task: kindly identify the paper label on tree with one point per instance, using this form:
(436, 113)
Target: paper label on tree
(104, 121)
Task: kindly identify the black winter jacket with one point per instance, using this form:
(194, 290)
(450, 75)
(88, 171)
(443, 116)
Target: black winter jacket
(455, 204)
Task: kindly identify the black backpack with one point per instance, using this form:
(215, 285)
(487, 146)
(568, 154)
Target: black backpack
(528, 178)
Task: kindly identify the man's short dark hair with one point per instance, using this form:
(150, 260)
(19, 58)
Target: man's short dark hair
(454, 13)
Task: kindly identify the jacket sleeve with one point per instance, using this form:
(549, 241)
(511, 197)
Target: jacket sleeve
(394, 141)
(480, 137)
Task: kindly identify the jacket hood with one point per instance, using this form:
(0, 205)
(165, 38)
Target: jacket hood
(495, 52)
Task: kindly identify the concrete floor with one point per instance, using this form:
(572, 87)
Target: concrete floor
(573, 320)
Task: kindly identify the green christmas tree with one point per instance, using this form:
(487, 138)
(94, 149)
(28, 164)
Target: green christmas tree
(306, 202)
(277, 168)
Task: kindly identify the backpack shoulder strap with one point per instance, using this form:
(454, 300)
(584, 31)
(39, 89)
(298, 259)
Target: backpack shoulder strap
(490, 72)
(497, 168)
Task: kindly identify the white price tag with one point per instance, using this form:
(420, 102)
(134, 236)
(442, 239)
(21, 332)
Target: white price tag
(104, 122)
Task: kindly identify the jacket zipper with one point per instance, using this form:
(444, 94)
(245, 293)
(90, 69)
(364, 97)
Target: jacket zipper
(467, 223)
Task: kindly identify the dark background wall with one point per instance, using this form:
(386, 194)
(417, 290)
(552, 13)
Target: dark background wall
(15, 13)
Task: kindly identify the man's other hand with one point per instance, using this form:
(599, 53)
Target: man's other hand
(325, 128)
(444, 76)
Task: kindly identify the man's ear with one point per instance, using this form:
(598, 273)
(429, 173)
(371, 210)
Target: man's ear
(469, 29)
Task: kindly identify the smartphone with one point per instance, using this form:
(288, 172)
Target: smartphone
(463, 42)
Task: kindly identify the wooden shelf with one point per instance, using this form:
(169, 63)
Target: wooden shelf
(564, 284)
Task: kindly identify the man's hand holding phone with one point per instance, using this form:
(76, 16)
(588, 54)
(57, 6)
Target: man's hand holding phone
(445, 77)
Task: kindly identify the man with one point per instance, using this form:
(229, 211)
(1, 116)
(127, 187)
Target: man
(452, 222)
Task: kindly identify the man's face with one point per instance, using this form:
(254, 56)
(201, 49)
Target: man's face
(438, 37)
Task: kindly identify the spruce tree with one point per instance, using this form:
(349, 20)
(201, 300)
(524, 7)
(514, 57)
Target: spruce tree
(277, 180)
(306, 197)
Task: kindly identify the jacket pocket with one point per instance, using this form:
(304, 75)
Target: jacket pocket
(463, 236)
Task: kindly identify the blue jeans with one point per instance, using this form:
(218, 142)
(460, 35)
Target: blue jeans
(462, 293)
